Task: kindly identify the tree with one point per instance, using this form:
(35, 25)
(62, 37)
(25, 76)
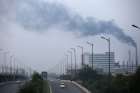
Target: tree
(135, 82)
(87, 73)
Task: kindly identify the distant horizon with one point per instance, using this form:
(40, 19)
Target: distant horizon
(38, 34)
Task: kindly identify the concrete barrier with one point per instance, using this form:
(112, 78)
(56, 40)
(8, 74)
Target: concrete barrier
(50, 88)
(81, 87)
(78, 85)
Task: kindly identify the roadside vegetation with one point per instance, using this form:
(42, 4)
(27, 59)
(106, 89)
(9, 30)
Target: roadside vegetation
(98, 83)
(36, 85)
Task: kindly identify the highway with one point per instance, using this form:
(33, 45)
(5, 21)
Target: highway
(70, 88)
(55, 85)
(9, 88)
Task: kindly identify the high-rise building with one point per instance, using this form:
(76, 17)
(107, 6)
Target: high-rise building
(101, 61)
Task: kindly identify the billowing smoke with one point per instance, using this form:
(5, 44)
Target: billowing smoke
(40, 15)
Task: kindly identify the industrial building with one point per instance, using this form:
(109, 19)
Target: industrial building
(101, 61)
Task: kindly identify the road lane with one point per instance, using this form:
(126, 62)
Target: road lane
(70, 88)
(10, 88)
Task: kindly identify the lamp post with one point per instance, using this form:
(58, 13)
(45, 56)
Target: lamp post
(74, 50)
(82, 55)
(136, 48)
(136, 56)
(11, 69)
(14, 68)
(1, 67)
(109, 72)
(71, 60)
(67, 66)
(5, 60)
(91, 44)
(135, 26)
(1, 64)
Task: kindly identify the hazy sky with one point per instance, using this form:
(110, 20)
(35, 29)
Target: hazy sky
(39, 32)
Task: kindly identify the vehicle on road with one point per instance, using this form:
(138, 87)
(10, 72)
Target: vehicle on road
(18, 81)
(62, 85)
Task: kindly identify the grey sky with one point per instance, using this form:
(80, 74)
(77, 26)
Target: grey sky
(21, 32)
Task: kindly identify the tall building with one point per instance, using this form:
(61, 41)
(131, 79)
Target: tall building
(101, 61)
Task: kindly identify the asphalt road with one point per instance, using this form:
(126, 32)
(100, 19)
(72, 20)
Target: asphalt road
(9, 88)
(70, 88)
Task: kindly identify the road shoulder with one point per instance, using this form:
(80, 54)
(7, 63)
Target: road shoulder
(78, 85)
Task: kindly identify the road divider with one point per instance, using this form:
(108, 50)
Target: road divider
(50, 88)
(78, 85)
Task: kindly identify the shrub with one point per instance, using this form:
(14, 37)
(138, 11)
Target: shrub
(36, 85)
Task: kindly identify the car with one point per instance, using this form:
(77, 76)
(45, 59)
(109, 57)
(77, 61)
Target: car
(18, 81)
(62, 85)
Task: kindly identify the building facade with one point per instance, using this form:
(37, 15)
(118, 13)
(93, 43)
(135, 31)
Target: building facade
(101, 61)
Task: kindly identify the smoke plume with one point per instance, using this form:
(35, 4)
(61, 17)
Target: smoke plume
(39, 15)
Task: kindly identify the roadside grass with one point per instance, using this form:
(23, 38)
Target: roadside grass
(46, 88)
(36, 85)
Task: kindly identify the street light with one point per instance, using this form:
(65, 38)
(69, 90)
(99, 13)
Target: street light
(74, 50)
(82, 48)
(5, 60)
(135, 26)
(14, 68)
(108, 40)
(91, 44)
(136, 56)
(67, 61)
(4, 69)
(1, 64)
(109, 73)
(11, 69)
(71, 59)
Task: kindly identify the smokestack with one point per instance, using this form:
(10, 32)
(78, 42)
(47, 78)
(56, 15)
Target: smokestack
(132, 67)
(129, 54)
(127, 66)
(136, 56)
(123, 65)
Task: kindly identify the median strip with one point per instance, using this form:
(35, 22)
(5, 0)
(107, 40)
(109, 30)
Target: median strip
(36, 85)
